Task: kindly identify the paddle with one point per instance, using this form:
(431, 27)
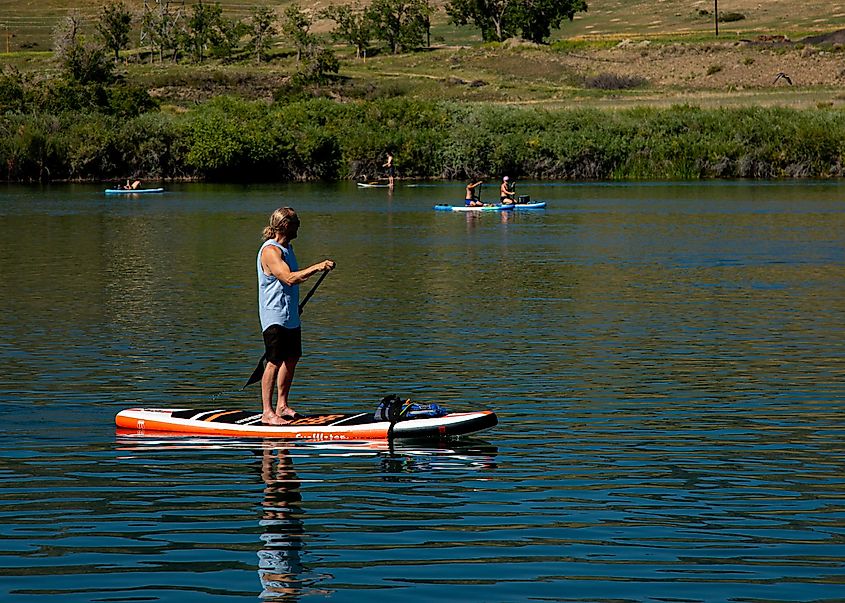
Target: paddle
(259, 369)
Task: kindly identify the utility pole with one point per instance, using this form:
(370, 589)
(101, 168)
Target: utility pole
(716, 15)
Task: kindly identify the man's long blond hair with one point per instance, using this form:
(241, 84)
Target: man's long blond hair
(280, 221)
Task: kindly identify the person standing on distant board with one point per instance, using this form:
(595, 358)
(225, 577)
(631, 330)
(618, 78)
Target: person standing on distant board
(505, 194)
(279, 277)
(391, 171)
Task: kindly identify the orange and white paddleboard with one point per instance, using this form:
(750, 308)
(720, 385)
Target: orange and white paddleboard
(317, 427)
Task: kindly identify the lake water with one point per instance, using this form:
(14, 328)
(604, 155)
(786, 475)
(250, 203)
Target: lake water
(667, 362)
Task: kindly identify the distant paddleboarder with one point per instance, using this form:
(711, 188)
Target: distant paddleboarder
(473, 196)
(506, 192)
(278, 307)
(391, 169)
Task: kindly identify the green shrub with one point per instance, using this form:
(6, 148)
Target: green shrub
(130, 101)
(729, 17)
(32, 148)
(12, 91)
(317, 138)
(611, 81)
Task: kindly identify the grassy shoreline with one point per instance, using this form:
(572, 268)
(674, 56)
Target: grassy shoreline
(230, 139)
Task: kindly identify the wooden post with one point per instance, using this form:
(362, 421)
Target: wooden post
(716, 15)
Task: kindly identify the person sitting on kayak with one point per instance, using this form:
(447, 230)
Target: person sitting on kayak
(506, 194)
(473, 197)
(278, 308)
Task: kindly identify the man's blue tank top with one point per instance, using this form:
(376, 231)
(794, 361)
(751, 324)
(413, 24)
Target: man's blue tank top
(278, 304)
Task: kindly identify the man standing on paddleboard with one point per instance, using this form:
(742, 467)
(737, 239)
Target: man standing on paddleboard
(278, 307)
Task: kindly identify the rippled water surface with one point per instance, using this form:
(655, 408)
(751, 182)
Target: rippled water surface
(667, 362)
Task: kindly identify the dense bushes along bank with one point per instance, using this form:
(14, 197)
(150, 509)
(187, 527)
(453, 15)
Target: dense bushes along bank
(234, 140)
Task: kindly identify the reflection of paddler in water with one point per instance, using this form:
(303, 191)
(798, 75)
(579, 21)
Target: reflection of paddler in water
(279, 563)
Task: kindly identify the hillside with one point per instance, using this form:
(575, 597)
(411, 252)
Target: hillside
(28, 23)
(620, 53)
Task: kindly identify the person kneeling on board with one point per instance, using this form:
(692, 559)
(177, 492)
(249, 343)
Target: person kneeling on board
(506, 194)
(278, 308)
(473, 198)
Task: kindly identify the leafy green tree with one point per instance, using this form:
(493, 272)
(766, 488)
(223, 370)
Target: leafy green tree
(537, 18)
(400, 23)
(227, 37)
(317, 65)
(495, 18)
(499, 20)
(262, 29)
(204, 27)
(296, 25)
(352, 25)
(113, 26)
(87, 63)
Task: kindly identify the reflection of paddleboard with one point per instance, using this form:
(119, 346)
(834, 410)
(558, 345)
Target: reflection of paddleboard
(446, 207)
(318, 427)
(132, 191)
(372, 185)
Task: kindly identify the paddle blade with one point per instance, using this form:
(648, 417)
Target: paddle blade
(257, 373)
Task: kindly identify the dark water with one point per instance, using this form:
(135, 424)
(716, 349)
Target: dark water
(667, 362)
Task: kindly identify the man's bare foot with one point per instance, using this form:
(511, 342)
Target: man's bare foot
(286, 413)
(273, 419)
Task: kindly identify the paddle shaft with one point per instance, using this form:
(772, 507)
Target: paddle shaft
(313, 289)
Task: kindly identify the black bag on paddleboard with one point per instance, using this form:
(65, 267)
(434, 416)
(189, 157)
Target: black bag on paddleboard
(393, 408)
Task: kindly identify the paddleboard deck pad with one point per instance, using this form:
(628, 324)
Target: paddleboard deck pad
(317, 427)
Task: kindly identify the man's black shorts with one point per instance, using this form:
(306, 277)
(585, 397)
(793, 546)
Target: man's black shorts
(281, 343)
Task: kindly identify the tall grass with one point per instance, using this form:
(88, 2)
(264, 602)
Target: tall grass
(230, 139)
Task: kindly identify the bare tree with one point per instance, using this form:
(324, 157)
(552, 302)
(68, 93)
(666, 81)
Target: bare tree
(65, 34)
